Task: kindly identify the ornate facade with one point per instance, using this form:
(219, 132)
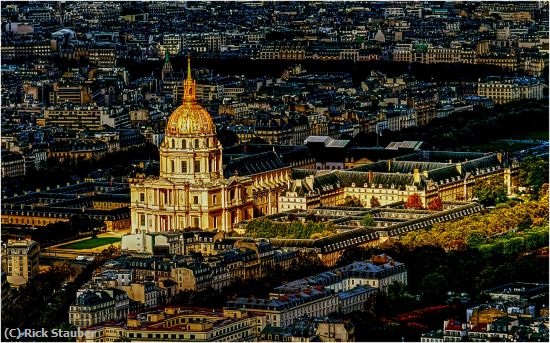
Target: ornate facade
(191, 191)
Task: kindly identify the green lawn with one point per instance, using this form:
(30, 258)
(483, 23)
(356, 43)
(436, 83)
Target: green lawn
(90, 243)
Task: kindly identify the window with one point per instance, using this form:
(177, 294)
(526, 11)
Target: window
(197, 166)
(184, 166)
(142, 197)
(172, 166)
(196, 143)
(142, 219)
(214, 199)
(183, 144)
(195, 200)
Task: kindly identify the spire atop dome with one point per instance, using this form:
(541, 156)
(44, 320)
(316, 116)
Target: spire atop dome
(189, 91)
(189, 67)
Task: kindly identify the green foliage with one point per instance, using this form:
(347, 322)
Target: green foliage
(490, 193)
(472, 128)
(227, 137)
(434, 289)
(478, 229)
(514, 243)
(533, 173)
(367, 220)
(352, 254)
(263, 227)
(90, 243)
(352, 201)
(59, 173)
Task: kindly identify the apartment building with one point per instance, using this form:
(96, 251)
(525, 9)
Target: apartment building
(12, 163)
(20, 261)
(95, 307)
(504, 90)
(177, 324)
(284, 309)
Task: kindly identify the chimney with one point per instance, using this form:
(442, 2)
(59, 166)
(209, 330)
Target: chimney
(371, 176)
(416, 175)
(389, 165)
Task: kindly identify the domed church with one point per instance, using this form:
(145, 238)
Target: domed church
(191, 191)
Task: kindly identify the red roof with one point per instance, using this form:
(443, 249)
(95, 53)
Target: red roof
(479, 328)
(454, 325)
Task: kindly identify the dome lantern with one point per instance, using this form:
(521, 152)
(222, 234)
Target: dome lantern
(190, 118)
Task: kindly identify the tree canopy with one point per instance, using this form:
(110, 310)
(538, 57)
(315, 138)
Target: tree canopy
(414, 202)
(368, 220)
(490, 193)
(263, 227)
(352, 201)
(533, 173)
(435, 204)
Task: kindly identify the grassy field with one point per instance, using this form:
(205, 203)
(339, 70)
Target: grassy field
(90, 243)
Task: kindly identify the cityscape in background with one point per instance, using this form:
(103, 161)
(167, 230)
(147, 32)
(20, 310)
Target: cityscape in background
(274, 171)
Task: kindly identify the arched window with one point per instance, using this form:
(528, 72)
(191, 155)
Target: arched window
(183, 145)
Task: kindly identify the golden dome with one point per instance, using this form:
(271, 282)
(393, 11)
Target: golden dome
(190, 118)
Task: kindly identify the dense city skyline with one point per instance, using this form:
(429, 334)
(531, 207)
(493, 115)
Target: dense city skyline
(274, 171)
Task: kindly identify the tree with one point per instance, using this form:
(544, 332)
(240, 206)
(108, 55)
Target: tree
(311, 217)
(374, 202)
(368, 220)
(414, 202)
(490, 193)
(352, 201)
(83, 223)
(533, 173)
(434, 288)
(227, 137)
(435, 204)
